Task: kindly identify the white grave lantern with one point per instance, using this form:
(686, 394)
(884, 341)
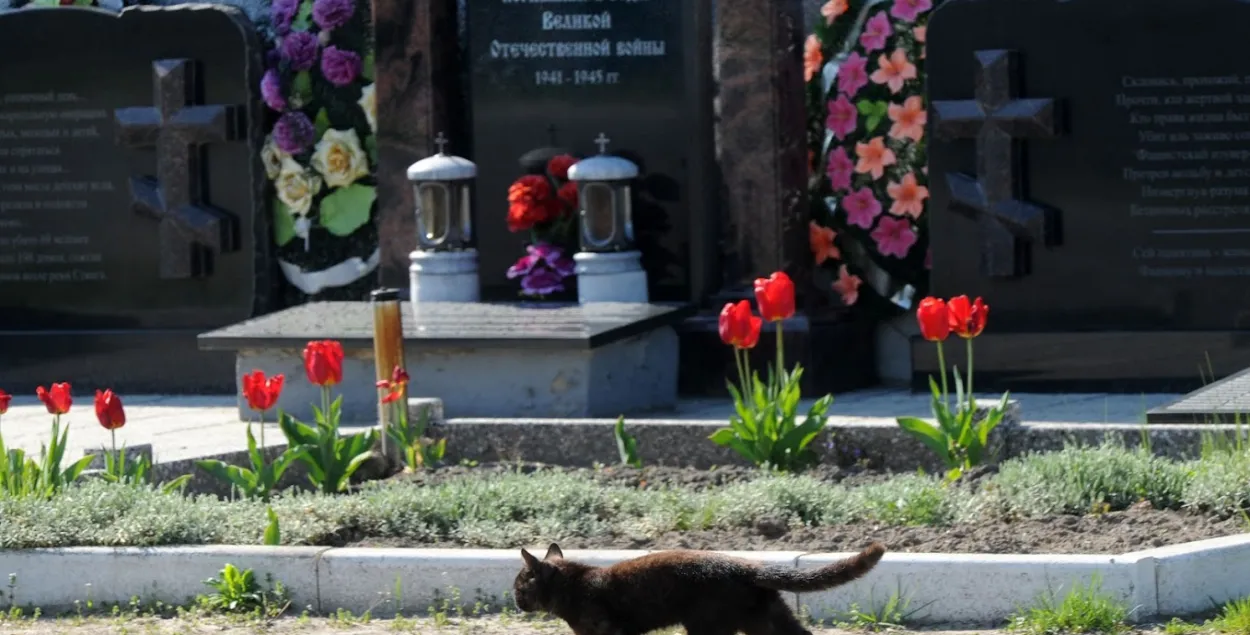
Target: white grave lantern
(444, 265)
(609, 268)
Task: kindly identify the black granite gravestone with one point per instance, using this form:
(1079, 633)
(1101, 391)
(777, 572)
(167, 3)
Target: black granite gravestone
(1092, 187)
(557, 75)
(130, 195)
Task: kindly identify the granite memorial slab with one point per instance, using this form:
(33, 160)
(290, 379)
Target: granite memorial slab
(1093, 189)
(482, 360)
(556, 75)
(130, 194)
(1225, 401)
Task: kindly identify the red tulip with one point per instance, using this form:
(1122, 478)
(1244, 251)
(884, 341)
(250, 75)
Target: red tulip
(399, 376)
(775, 296)
(5, 399)
(262, 393)
(57, 400)
(394, 386)
(967, 319)
(108, 409)
(933, 316)
(738, 327)
(323, 362)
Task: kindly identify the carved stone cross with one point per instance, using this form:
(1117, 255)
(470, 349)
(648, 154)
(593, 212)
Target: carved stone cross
(1009, 226)
(192, 233)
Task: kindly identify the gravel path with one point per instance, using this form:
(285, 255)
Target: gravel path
(321, 626)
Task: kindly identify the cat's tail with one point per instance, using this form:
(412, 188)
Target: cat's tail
(826, 577)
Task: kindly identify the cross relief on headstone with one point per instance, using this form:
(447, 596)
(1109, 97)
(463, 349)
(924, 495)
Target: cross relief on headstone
(1009, 226)
(192, 233)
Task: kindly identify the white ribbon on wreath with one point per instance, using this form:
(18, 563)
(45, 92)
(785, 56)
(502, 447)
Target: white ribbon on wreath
(339, 275)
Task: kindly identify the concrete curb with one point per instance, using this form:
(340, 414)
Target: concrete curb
(946, 589)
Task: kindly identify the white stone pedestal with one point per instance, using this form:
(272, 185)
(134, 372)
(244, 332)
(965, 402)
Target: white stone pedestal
(610, 277)
(443, 276)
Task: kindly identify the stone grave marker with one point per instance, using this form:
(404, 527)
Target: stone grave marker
(551, 360)
(130, 195)
(556, 75)
(1093, 188)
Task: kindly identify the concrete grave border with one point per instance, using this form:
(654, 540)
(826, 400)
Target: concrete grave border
(946, 589)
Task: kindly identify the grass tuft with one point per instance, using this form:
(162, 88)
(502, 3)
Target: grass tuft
(1084, 609)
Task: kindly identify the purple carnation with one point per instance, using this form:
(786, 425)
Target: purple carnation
(271, 90)
(293, 132)
(332, 14)
(340, 67)
(300, 50)
(282, 12)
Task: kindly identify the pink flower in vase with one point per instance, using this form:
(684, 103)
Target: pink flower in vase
(545, 254)
(554, 257)
(842, 117)
(852, 74)
(861, 207)
(840, 169)
(875, 32)
(894, 237)
(540, 282)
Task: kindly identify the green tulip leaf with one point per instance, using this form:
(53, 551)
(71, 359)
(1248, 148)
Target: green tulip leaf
(347, 209)
(283, 223)
(366, 67)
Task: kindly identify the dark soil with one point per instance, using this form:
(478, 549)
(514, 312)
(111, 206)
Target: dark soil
(1140, 527)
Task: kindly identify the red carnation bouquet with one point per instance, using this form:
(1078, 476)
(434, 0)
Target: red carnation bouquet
(545, 205)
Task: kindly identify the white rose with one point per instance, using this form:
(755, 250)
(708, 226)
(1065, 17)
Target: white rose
(368, 102)
(339, 158)
(297, 186)
(272, 156)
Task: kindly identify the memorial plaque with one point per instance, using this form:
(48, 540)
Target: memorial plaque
(556, 75)
(1094, 188)
(1095, 181)
(130, 182)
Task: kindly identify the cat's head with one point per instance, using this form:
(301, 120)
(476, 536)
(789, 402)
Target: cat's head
(532, 589)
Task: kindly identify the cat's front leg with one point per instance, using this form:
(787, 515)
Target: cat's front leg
(595, 625)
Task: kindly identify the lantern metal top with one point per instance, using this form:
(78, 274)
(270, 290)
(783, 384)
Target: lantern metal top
(603, 167)
(442, 166)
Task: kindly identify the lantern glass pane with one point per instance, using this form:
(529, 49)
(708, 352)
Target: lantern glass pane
(466, 224)
(435, 206)
(599, 217)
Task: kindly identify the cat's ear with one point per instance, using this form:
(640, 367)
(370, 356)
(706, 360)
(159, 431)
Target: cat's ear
(553, 551)
(530, 560)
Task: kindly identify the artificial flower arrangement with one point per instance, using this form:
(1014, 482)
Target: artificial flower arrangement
(867, 116)
(545, 205)
(321, 152)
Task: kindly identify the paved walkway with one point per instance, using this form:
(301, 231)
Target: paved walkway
(185, 427)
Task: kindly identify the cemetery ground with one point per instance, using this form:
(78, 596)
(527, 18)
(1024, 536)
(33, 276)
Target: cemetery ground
(1092, 499)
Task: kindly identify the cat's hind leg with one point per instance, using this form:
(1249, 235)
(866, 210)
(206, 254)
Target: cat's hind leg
(775, 619)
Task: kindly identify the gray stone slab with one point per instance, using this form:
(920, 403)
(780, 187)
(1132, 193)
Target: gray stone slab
(460, 324)
(630, 376)
(1223, 401)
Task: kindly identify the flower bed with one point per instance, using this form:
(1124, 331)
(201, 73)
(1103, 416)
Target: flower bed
(1086, 500)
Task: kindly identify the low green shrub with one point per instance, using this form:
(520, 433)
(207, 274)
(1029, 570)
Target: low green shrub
(501, 510)
(1081, 479)
(1219, 483)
